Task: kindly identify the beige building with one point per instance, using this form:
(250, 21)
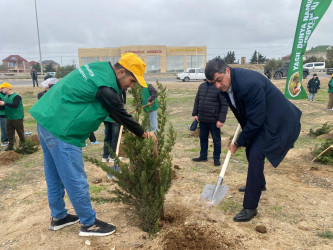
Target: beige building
(158, 58)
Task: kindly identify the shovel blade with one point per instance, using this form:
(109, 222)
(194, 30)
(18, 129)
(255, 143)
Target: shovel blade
(208, 192)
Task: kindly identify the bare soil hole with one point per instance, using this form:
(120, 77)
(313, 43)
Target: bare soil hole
(196, 237)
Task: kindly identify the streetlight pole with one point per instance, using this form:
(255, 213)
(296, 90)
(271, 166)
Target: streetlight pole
(40, 52)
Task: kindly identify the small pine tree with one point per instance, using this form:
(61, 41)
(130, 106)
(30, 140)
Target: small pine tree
(144, 181)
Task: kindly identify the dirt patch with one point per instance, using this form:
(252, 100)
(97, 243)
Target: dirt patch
(175, 215)
(196, 237)
(8, 157)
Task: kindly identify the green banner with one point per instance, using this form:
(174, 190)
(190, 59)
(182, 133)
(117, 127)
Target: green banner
(310, 14)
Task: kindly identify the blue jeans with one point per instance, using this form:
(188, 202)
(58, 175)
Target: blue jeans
(216, 134)
(153, 121)
(35, 81)
(63, 167)
(311, 96)
(111, 137)
(3, 129)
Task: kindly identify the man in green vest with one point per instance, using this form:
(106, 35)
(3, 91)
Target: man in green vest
(149, 96)
(14, 114)
(65, 116)
(4, 138)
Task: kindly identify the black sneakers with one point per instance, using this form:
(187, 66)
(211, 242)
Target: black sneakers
(99, 228)
(59, 224)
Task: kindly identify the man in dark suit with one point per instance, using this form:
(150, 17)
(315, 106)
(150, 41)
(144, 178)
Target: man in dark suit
(270, 124)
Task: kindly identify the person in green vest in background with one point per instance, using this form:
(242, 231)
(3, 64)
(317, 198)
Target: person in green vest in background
(330, 95)
(4, 138)
(66, 115)
(14, 114)
(149, 96)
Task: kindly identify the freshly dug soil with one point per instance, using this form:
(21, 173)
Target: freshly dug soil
(8, 157)
(196, 237)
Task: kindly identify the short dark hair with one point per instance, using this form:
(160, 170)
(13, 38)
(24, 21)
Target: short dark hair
(216, 65)
(117, 65)
(315, 74)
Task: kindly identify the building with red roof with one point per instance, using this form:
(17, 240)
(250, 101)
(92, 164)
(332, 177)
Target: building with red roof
(16, 63)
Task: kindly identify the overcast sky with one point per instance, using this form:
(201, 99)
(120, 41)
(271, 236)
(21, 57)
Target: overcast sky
(242, 26)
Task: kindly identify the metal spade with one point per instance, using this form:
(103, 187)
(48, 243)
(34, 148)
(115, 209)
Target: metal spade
(214, 194)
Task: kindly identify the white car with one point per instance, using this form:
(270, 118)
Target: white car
(192, 74)
(51, 74)
(315, 66)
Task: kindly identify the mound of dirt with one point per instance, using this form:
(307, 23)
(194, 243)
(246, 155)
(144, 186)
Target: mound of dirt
(196, 237)
(8, 157)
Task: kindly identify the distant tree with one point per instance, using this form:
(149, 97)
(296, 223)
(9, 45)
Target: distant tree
(63, 71)
(230, 58)
(271, 66)
(36, 66)
(314, 59)
(329, 60)
(3, 67)
(257, 57)
(262, 59)
(49, 68)
(254, 58)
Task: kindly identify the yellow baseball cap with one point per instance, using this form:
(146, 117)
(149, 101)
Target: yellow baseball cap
(133, 63)
(6, 85)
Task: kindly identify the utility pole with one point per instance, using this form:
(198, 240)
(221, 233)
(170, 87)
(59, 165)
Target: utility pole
(40, 52)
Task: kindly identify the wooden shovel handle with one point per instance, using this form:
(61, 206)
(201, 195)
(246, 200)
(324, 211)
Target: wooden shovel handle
(227, 158)
(121, 132)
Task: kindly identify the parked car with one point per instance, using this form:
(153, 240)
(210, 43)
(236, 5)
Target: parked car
(329, 71)
(283, 72)
(192, 74)
(50, 73)
(315, 66)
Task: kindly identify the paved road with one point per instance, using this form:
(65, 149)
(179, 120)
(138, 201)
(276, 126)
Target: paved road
(148, 79)
(29, 82)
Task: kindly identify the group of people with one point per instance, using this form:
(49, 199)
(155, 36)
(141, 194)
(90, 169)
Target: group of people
(313, 87)
(92, 94)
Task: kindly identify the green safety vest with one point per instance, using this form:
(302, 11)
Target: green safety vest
(2, 111)
(13, 113)
(70, 110)
(145, 96)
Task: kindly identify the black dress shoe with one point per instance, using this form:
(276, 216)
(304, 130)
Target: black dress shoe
(242, 189)
(217, 163)
(9, 148)
(199, 159)
(245, 215)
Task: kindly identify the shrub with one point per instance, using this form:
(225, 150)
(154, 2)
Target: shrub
(144, 181)
(326, 158)
(320, 131)
(27, 147)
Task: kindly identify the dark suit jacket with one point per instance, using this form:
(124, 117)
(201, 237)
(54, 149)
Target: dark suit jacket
(268, 119)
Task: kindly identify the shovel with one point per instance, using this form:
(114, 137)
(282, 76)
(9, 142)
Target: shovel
(213, 195)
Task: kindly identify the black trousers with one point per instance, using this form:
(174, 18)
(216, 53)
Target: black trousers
(13, 125)
(255, 177)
